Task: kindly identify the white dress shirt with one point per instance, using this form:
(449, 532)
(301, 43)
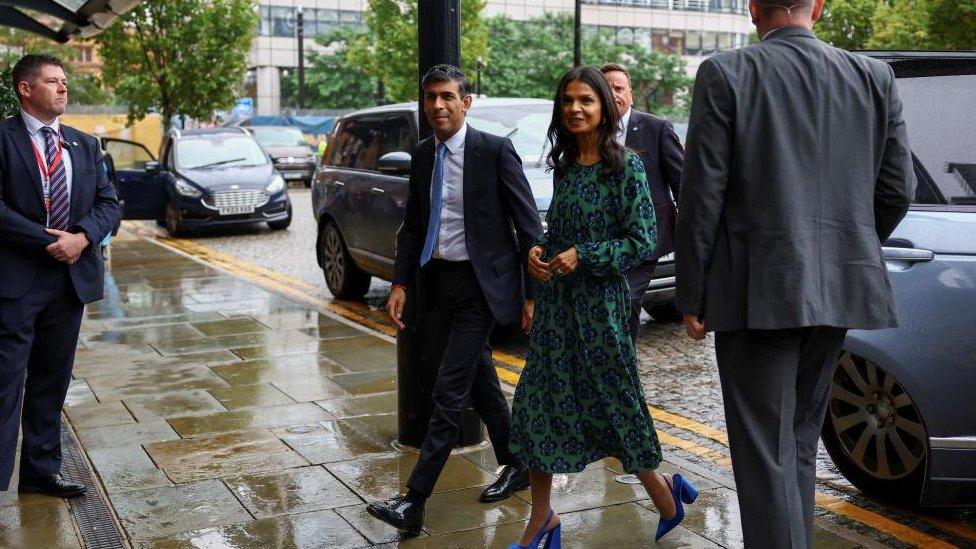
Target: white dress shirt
(34, 130)
(450, 239)
(622, 128)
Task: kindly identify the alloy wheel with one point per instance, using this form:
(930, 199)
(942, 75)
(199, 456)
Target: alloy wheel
(875, 421)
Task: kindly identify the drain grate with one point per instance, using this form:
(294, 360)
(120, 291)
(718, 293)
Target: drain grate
(98, 529)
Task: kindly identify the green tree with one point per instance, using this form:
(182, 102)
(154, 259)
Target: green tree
(388, 51)
(179, 56)
(901, 24)
(951, 24)
(332, 81)
(847, 24)
(83, 89)
(527, 58)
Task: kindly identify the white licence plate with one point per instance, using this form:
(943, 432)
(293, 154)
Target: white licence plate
(291, 175)
(236, 210)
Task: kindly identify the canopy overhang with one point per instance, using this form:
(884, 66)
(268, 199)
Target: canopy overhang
(81, 18)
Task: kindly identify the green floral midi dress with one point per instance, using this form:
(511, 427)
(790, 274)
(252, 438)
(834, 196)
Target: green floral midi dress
(579, 398)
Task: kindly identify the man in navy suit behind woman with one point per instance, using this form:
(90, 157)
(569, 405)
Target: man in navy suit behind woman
(56, 205)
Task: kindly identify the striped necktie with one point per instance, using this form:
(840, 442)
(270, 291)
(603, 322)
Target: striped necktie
(60, 202)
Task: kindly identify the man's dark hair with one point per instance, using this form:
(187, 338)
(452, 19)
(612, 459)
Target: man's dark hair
(447, 73)
(29, 68)
(615, 67)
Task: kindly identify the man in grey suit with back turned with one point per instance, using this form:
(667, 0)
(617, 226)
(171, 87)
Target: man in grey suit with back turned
(797, 168)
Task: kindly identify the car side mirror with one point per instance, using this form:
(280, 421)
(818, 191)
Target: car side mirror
(152, 166)
(395, 163)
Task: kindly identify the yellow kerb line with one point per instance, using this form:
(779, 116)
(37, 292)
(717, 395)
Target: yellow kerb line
(294, 288)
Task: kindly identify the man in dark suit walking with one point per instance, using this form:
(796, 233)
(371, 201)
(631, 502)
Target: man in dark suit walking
(467, 194)
(652, 138)
(797, 169)
(56, 205)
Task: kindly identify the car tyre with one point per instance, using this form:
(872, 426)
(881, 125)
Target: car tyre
(344, 279)
(281, 224)
(664, 312)
(874, 432)
(172, 220)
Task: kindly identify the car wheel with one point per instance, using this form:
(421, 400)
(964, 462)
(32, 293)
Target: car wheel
(282, 224)
(172, 220)
(663, 313)
(344, 279)
(874, 432)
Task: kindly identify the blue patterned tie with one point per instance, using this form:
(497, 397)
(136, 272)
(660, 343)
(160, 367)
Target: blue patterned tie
(60, 203)
(436, 188)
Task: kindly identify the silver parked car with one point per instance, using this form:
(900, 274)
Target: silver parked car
(900, 422)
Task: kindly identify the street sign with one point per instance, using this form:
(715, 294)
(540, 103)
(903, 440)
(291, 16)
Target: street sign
(244, 107)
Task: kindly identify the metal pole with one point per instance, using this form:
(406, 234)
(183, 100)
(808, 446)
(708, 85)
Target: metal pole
(301, 58)
(481, 67)
(438, 41)
(577, 56)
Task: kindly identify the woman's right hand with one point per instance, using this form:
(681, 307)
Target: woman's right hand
(538, 269)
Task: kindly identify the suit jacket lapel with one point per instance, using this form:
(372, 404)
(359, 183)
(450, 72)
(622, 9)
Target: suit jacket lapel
(426, 174)
(471, 158)
(633, 129)
(22, 142)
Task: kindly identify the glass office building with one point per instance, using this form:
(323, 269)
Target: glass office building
(694, 29)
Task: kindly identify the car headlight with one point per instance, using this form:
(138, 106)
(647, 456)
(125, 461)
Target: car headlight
(277, 184)
(186, 189)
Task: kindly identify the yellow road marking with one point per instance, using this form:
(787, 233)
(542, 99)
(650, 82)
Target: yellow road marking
(299, 290)
(879, 522)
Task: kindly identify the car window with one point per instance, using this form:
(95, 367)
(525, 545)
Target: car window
(278, 137)
(525, 125)
(218, 151)
(941, 124)
(398, 134)
(127, 156)
(358, 143)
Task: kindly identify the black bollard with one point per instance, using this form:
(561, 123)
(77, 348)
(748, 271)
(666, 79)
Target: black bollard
(420, 347)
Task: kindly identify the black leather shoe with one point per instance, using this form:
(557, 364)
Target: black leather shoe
(399, 512)
(511, 480)
(53, 485)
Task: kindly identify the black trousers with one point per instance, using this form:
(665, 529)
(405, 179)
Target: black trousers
(38, 336)
(775, 386)
(466, 376)
(638, 280)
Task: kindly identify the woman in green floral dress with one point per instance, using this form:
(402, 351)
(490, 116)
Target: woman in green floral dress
(579, 398)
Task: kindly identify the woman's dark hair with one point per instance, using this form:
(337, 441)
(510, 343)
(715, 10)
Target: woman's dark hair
(565, 150)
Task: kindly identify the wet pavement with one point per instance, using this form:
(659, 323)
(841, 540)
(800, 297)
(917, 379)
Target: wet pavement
(220, 410)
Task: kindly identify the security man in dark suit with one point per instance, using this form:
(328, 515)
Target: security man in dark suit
(56, 205)
(797, 169)
(469, 223)
(659, 148)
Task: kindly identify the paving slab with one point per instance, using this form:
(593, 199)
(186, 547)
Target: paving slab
(381, 477)
(157, 512)
(320, 529)
(328, 441)
(293, 491)
(223, 455)
(264, 417)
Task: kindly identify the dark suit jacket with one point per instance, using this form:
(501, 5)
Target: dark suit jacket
(659, 148)
(94, 210)
(500, 220)
(797, 168)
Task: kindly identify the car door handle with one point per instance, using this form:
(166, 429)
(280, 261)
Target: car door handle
(908, 255)
(377, 190)
(338, 183)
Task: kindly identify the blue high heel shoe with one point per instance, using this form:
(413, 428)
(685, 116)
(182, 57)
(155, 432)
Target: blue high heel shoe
(681, 491)
(554, 537)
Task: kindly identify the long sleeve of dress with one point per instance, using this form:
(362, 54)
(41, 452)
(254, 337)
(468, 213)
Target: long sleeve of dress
(636, 228)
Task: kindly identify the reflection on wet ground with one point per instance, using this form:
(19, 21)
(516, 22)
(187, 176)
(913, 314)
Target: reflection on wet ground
(219, 414)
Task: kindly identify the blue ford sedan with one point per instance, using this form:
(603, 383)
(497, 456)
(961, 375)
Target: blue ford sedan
(203, 178)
